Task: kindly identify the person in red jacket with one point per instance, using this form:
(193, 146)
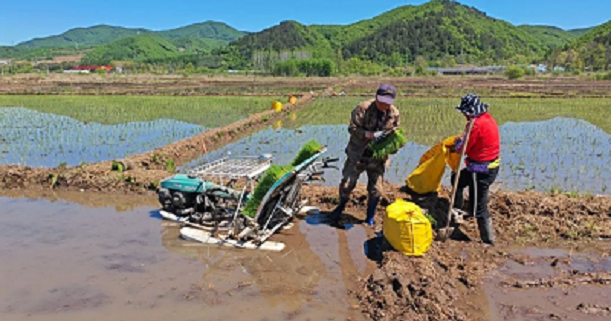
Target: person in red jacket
(482, 162)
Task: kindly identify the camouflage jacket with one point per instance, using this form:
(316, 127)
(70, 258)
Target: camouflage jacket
(367, 118)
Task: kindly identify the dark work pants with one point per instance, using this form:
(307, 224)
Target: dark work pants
(479, 186)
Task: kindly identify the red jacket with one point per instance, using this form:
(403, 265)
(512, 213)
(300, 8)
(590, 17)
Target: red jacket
(484, 142)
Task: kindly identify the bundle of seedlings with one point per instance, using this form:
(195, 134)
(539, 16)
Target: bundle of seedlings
(388, 145)
(274, 173)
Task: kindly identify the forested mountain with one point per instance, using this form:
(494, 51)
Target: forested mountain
(434, 30)
(592, 50)
(436, 33)
(136, 48)
(193, 38)
(83, 37)
(550, 37)
(580, 32)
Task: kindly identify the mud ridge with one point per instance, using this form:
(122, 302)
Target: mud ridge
(569, 279)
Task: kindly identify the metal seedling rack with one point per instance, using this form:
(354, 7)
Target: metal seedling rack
(248, 168)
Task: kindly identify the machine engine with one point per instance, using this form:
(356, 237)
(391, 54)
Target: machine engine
(181, 195)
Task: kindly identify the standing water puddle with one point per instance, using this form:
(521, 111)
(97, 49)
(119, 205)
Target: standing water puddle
(542, 284)
(63, 261)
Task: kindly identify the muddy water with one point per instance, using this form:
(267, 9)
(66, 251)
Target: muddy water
(573, 302)
(65, 261)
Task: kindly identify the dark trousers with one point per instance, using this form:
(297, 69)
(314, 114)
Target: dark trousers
(479, 186)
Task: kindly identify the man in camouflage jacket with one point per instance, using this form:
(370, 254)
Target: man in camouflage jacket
(369, 120)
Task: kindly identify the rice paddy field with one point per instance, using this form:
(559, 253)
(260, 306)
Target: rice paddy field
(46, 131)
(560, 145)
(547, 144)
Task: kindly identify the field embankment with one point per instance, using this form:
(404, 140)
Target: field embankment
(250, 85)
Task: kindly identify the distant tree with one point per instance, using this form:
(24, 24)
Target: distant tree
(421, 65)
(514, 72)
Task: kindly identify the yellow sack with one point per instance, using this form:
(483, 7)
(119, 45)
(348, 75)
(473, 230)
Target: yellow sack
(426, 178)
(407, 229)
(277, 106)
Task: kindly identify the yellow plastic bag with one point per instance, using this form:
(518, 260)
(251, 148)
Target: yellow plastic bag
(407, 229)
(426, 178)
(292, 99)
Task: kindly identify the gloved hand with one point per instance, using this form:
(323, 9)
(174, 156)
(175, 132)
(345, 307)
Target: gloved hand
(457, 144)
(379, 135)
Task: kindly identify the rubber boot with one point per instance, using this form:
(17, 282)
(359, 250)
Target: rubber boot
(486, 231)
(372, 205)
(337, 212)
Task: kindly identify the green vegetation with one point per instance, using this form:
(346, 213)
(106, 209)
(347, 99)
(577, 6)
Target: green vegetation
(591, 51)
(427, 121)
(137, 48)
(389, 145)
(439, 33)
(204, 30)
(436, 31)
(307, 67)
(514, 72)
(580, 32)
(308, 150)
(207, 35)
(274, 173)
(205, 111)
(550, 37)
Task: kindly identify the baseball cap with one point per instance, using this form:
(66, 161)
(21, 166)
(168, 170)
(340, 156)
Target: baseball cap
(386, 94)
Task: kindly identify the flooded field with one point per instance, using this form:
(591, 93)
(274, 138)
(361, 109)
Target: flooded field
(72, 262)
(39, 139)
(560, 154)
(49, 131)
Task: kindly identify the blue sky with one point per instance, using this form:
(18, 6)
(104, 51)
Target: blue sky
(22, 20)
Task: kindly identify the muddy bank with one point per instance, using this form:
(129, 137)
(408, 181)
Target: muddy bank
(519, 217)
(446, 283)
(203, 85)
(143, 171)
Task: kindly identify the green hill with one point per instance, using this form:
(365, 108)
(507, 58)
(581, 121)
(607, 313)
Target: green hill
(434, 30)
(579, 32)
(599, 35)
(194, 45)
(592, 51)
(136, 48)
(192, 38)
(288, 35)
(550, 37)
(204, 30)
(83, 37)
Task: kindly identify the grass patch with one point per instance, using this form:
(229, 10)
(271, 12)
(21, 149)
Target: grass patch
(427, 121)
(111, 110)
